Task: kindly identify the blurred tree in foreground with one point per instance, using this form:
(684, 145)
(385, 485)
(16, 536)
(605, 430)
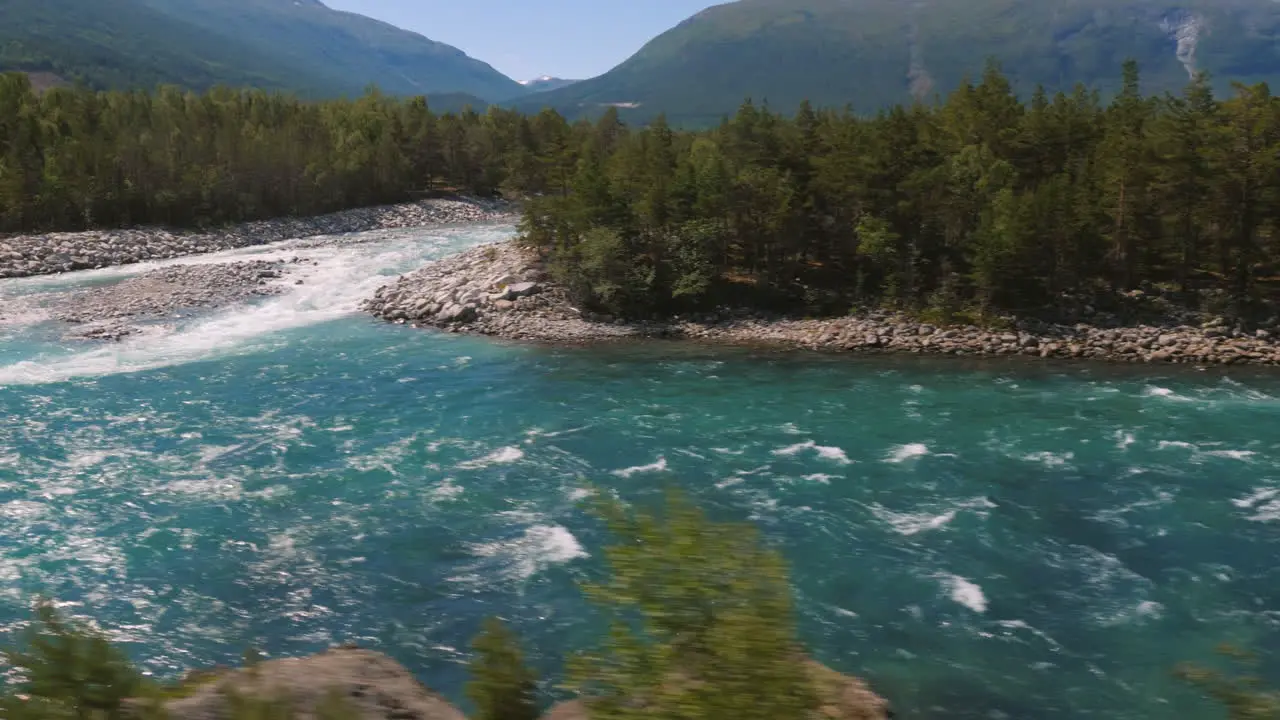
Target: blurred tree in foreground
(701, 623)
(502, 686)
(1245, 697)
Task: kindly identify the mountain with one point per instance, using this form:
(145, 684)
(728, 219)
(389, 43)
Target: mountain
(546, 83)
(874, 53)
(352, 48)
(297, 45)
(123, 43)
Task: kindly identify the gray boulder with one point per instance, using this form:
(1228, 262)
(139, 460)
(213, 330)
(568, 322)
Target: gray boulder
(519, 290)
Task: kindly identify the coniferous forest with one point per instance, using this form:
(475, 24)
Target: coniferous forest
(980, 202)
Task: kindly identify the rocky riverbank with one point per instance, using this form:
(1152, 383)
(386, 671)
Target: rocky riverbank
(107, 313)
(502, 290)
(22, 256)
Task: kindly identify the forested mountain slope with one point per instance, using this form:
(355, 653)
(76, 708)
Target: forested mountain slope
(875, 53)
(125, 44)
(300, 46)
(354, 49)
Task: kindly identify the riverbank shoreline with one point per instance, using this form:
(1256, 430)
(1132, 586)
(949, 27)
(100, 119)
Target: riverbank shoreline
(52, 253)
(502, 290)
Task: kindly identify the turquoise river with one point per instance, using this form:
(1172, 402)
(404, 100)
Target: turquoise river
(979, 540)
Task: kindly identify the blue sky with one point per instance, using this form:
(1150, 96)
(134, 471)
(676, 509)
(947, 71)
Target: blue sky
(528, 38)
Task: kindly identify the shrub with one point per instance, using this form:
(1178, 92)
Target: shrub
(1244, 697)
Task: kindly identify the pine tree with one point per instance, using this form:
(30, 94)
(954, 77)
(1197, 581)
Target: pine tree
(501, 686)
(71, 669)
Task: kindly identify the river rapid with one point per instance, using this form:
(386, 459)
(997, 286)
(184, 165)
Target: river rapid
(1020, 539)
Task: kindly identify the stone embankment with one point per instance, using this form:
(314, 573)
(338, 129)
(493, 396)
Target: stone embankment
(502, 290)
(22, 256)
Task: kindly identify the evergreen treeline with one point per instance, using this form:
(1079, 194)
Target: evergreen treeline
(73, 158)
(978, 203)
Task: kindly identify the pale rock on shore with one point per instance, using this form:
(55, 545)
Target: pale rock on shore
(498, 290)
(22, 256)
(103, 313)
(502, 290)
(375, 687)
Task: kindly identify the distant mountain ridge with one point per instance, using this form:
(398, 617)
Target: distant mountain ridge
(297, 45)
(353, 49)
(874, 53)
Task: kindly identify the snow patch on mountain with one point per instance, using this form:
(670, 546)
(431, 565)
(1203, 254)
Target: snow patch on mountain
(546, 82)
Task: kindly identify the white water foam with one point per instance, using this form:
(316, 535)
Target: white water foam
(1050, 459)
(344, 275)
(502, 456)
(1242, 455)
(1264, 502)
(834, 454)
(1153, 391)
(966, 593)
(1023, 625)
(540, 547)
(659, 466)
(448, 489)
(1199, 452)
(1259, 495)
(903, 453)
(912, 523)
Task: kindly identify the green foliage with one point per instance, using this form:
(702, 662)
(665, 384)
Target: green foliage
(701, 623)
(74, 158)
(600, 271)
(126, 44)
(1244, 697)
(69, 671)
(351, 49)
(875, 54)
(967, 210)
(302, 47)
(502, 686)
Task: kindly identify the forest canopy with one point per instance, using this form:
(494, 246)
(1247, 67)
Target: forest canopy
(977, 204)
